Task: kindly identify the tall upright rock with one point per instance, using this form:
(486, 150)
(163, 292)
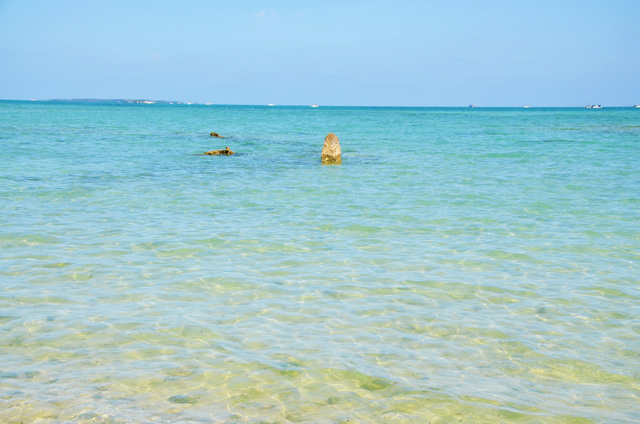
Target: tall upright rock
(331, 152)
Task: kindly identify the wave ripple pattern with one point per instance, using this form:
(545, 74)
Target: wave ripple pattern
(460, 265)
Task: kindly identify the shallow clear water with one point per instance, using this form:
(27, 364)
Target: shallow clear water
(461, 265)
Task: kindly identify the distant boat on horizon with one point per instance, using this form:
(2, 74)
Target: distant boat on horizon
(593, 107)
(637, 106)
(526, 106)
(270, 104)
(314, 105)
(472, 105)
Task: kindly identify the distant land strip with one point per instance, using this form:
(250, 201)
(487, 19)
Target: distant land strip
(138, 101)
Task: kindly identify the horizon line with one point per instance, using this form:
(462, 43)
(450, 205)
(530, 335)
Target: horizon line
(188, 103)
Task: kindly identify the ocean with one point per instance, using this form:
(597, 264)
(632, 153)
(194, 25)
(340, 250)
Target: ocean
(460, 266)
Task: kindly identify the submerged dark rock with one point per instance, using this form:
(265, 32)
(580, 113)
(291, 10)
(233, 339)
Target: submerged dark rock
(182, 399)
(225, 151)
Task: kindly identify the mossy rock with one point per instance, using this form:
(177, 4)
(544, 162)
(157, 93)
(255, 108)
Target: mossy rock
(226, 151)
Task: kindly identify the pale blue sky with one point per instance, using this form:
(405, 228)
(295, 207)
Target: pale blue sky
(342, 52)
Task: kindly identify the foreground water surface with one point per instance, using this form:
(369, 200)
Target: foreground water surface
(461, 265)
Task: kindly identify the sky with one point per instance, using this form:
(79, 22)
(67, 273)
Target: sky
(329, 52)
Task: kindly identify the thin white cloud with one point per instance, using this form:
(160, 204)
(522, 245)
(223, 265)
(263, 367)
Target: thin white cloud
(265, 15)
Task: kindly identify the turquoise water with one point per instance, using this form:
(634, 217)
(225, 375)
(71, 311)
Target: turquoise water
(461, 265)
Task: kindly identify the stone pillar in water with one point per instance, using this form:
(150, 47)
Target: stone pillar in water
(331, 152)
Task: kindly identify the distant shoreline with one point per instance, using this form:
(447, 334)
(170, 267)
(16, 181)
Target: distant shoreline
(132, 101)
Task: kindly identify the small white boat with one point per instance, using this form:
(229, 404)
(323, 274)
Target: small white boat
(526, 106)
(593, 106)
(314, 105)
(472, 105)
(270, 104)
(637, 106)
